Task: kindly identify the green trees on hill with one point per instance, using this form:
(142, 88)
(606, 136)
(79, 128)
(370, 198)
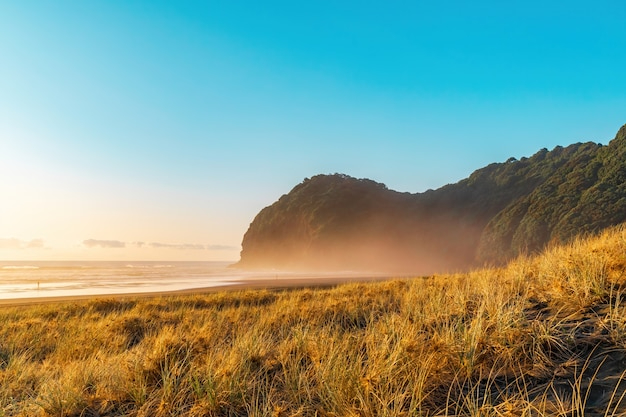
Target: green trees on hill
(584, 193)
(500, 211)
(527, 222)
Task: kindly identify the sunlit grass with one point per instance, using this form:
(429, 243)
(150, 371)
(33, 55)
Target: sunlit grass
(544, 336)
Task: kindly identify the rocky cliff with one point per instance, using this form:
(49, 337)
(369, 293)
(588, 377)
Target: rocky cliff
(501, 210)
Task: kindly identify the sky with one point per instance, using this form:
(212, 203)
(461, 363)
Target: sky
(157, 130)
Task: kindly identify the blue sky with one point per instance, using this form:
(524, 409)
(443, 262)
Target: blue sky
(176, 122)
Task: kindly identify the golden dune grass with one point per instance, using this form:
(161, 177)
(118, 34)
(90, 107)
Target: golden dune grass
(544, 336)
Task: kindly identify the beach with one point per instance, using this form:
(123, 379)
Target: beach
(43, 282)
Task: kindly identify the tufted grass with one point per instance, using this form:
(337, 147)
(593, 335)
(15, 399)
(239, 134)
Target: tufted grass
(545, 335)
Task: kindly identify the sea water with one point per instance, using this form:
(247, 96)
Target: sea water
(60, 279)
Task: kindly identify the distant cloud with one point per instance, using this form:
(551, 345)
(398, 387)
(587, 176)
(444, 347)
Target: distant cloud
(35, 244)
(10, 243)
(192, 246)
(95, 243)
(13, 243)
(178, 246)
(222, 247)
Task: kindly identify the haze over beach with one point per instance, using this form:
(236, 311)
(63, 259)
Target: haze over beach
(157, 130)
(312, 208)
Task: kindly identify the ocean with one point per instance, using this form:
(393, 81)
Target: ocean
(35, 279)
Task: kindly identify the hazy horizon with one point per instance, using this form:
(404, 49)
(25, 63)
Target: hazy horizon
(156, 131)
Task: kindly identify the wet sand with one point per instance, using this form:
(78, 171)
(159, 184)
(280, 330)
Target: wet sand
(251, 284)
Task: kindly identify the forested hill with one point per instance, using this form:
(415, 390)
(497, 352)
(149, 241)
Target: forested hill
(501, 210)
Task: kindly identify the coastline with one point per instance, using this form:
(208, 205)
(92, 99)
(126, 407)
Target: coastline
(272, 284)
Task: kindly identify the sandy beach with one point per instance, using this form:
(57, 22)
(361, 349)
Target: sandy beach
(282, 283)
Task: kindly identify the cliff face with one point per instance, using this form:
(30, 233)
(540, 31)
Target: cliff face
(500, 211)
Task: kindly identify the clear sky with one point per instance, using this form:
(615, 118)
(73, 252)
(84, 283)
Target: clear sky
(141, 130)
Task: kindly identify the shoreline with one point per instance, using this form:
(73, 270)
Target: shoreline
(272, 284)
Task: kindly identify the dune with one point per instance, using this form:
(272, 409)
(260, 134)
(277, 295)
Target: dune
(544, 335)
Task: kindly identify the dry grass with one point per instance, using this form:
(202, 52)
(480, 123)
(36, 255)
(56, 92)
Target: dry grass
(544, 336)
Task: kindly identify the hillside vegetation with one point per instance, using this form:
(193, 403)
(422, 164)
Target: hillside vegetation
(499, 212)
(545, 335)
